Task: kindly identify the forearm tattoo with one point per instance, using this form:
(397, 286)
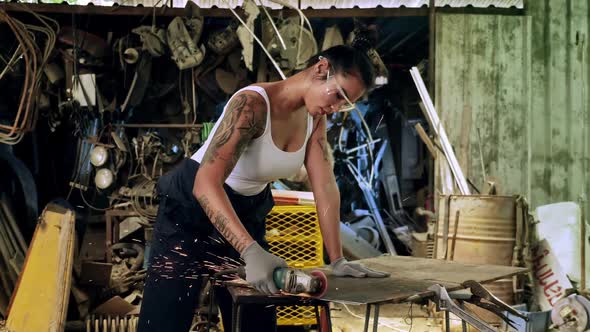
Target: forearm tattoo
(239, 119)
(221, 223)
(325, 149)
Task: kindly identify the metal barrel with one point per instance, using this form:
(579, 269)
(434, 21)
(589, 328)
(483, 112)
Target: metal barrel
(485, 234)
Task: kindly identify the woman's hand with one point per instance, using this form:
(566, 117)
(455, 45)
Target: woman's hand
(343, 268)
(260, 267)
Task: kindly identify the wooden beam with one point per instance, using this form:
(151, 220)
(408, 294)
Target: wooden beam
(40, 301)
(207, 12)
(426, 140)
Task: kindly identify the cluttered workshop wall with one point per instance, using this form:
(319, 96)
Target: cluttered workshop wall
(512, 92)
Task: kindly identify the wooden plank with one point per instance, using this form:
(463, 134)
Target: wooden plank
(40, 300)
(409, 276)
(426, 140)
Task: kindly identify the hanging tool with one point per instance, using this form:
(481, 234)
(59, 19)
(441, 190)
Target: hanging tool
(292, 281)
(497, 306)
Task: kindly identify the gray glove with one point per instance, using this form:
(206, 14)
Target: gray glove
(343, 268)
(260, 265)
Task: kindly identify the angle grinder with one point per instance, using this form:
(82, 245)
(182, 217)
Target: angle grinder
(293, 281)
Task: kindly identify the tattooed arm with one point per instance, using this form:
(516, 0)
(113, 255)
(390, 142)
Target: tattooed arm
(319, 165)
(244, 119)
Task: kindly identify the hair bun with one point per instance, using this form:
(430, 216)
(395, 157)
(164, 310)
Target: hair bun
(362, 44)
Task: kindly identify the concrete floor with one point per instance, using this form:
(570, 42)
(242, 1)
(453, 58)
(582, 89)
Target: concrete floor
(392, 317)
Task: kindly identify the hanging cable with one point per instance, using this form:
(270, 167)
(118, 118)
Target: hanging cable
(28, 49)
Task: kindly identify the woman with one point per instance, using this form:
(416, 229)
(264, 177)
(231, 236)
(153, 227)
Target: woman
(213, 206)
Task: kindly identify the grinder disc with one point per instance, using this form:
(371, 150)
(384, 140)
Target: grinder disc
(323, 281)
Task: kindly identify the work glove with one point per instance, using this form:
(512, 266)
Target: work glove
(343, 268)
(260, 265)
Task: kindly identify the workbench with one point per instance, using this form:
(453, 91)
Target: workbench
(245, 295)
(410, 277)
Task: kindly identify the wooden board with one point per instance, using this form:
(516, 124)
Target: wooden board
(409, 276)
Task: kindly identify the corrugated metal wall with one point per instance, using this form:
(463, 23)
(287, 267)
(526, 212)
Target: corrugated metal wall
(560, 153)
(522, 82)
(482, 91)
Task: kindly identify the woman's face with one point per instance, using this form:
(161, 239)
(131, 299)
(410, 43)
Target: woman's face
(333, 92)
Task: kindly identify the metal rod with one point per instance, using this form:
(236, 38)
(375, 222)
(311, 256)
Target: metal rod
(362, 146)
(328, 316)
(446, 226)
(463, 322)
(316, 310)
(370, 199)
(367, 316)
(376, 318)
(483, 166)
(452, 255)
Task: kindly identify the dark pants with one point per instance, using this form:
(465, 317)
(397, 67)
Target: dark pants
(184, 249)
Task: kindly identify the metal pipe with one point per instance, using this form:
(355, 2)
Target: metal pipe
(367, 317)
(376, 318)
(452, 255)
(378, 219)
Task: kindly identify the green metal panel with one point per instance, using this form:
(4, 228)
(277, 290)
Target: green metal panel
(560, 98)
(482, 90)
(522, 82)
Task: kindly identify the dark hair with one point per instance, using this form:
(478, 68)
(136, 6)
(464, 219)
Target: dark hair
(349, 60)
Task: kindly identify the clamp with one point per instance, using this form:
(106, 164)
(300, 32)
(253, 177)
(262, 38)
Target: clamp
(477, 292)
(493, 304)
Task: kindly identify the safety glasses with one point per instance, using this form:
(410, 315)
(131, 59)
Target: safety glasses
(331, 80)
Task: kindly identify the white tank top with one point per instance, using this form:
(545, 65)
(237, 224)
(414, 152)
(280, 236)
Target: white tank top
(262, 161)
